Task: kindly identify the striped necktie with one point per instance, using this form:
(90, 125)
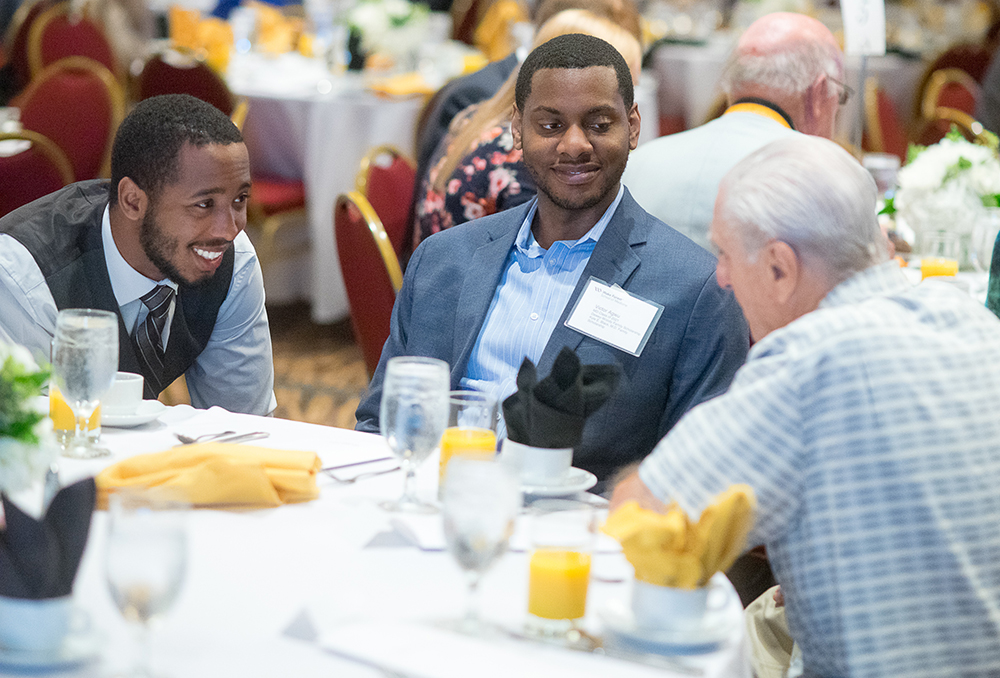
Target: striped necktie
(149, 335)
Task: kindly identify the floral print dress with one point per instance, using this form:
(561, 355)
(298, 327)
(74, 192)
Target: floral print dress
(491, 178)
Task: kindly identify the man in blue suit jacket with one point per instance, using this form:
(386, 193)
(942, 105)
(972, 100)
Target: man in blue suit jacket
(484, 295)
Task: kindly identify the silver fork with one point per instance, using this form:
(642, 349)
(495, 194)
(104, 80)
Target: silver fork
(230, 438)
(188, 440)
(361, 476)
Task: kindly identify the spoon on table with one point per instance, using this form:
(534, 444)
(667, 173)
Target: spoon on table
(188, 440)
(227, 437)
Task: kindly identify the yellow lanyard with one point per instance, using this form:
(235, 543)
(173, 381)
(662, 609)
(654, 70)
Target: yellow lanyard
(747, 107)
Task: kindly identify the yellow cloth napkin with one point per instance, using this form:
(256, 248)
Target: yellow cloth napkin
(215, 37)
(667, 549)
(403, 84)
(183, 27)
(276, 33)
(219, 473)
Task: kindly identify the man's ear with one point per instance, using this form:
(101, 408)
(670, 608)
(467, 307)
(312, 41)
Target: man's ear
(515, 127)
(634, 124)
(784, 268)
(132, 200)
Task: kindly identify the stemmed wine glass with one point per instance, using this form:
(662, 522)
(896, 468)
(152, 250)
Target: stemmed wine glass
(481, 502)
(413, 415)
(146, 559)
(84, 363)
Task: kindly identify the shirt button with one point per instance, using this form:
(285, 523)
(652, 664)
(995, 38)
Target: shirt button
(534, 316)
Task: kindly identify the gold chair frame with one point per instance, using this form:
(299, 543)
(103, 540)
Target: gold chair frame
(38, 29)
(116, 95)
(378, 234)
(361, 180)
(49, 149)
(937, 82)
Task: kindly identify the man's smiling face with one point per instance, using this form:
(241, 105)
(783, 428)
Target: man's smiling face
(191, 222)
(576, 133)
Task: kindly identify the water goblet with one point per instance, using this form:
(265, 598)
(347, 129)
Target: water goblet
(146, 559)
(84, 364)
(413, 415)
(481, 502)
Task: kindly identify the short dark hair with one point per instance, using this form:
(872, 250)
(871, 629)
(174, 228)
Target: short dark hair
(574, 50)
(148, 143)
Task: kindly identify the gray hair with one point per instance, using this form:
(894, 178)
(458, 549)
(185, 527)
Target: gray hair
(811, 194)
(790, 70)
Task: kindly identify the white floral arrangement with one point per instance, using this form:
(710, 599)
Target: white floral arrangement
(945, 187)
(27, 442)
(393, 27)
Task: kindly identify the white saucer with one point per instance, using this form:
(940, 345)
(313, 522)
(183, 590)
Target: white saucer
(575, 480)
(712, 633)
(78, 648)
(147, 411)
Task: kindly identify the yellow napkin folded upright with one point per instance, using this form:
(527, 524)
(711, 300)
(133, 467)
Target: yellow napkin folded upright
(667, 549)
(210, 474)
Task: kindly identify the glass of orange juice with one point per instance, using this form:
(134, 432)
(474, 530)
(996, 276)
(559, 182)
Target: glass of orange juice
(562, 537)
(471, 432)
(63, 422)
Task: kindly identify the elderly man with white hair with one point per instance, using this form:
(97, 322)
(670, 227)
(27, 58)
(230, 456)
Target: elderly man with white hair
(784, 76)
(864, 419)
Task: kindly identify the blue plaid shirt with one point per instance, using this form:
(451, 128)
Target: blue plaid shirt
(870, 433)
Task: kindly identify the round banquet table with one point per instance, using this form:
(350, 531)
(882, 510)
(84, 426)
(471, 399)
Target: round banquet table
(303, 123)
(336, 586)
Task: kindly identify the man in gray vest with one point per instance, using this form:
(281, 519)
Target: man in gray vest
(163, 247)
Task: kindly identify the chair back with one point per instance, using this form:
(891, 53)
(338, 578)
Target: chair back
(172, 72)
(974, 59)
(16, 41)
(77, 103)
(36, 171)
(57, 33)
(884, 132)
(387, 179)
(371, 272)
(932, 130)
(952, 88)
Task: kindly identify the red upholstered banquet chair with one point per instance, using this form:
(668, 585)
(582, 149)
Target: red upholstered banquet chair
(371, 272)
(77, 103)
(387, 179)
(932, 130)
(974, 59)
(174, 72)
(884, 132)
(16, 41)
(57, 33)
(952, 88)
(32, 173)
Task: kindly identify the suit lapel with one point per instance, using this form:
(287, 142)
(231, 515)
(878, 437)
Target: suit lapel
(613, 261)
(480, 284)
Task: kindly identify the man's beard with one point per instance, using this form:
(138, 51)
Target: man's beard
(611, 179)
(157, 246)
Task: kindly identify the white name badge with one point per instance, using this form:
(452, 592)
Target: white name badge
(614, 316)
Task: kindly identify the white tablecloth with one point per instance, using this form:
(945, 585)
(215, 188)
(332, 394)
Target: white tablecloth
(304, 124)
(278, 591)
(688, 77)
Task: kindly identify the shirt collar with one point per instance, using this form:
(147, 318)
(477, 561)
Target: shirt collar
(126, 282)
(881, 280)
(526, 243)
(761, 107)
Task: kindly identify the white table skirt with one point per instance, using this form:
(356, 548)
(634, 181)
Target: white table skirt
(266, 591)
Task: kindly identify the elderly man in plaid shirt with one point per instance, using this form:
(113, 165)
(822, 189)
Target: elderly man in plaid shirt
(865, 419)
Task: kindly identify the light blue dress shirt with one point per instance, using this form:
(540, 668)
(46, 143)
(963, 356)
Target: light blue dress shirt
(534, 289)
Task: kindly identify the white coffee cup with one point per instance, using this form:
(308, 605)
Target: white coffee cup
(34, 625)
(536, 465)
(124, 396)
(664, 608)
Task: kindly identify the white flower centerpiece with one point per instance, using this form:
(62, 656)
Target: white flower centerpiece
(947, 188)
(27, 442)
(395, 28)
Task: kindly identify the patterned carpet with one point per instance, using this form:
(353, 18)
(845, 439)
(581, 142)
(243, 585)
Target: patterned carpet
(319, 374)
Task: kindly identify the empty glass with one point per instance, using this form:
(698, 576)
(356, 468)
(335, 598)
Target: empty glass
(84, 364)
(413, 415)
(481, 502)
(146, 559)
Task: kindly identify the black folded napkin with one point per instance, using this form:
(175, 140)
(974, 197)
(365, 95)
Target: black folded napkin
(551, 412)
(39, 558)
